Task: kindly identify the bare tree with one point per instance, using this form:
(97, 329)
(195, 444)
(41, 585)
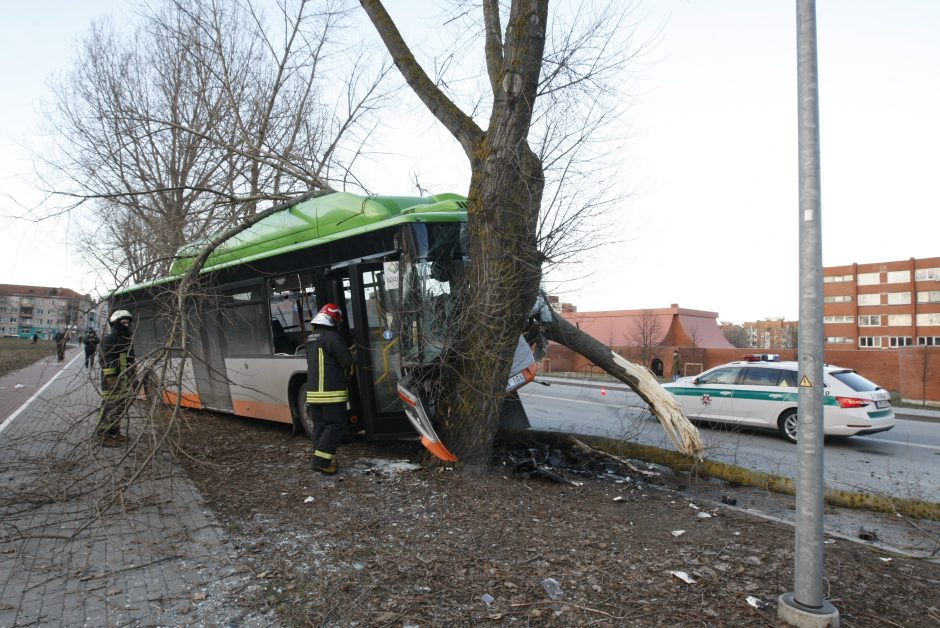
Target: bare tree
(735, 334)
(505, 199)
(181, 127)
(645, 336)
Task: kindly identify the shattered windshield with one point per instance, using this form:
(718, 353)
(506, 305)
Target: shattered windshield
(434, 262)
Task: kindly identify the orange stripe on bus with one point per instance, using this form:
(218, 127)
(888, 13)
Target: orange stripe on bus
(260, 410)
(189, 400)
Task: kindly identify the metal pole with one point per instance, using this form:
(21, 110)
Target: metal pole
(806, 606)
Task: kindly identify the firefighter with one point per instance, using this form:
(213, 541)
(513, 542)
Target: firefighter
(329, 361)
(117, 359)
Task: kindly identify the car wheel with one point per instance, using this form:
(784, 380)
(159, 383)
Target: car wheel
(788, 425)
(305, 419)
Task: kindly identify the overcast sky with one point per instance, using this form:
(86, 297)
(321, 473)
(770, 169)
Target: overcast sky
(711, 166)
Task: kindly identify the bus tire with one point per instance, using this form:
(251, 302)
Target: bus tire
(305, 419)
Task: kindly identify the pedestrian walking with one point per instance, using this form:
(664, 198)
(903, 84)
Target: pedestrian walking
(329, 361)
(117, 393)
(676, 365)
(91, 347)
(35, 337)
(61, 338)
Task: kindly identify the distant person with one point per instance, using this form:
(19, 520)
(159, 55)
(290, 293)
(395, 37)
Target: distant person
(91, 347)
(328, 359)
(676, 365)
(61, 338)
(117, 360)
(35, 337)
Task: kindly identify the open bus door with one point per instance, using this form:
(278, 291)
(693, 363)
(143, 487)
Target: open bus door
(362, 293)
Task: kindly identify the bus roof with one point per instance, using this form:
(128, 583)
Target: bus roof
(313, 220)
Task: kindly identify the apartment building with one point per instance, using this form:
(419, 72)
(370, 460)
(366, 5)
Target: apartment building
(28, 310)
(885, 305)
(771, 333)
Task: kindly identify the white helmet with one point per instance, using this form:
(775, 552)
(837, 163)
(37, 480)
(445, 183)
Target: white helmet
(118, 315)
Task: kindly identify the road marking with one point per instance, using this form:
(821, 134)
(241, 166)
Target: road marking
(901, 442)
(10, 418)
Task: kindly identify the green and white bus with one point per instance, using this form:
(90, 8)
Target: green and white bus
(389, 262)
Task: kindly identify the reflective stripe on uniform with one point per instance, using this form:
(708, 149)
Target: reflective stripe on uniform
(327, 396)
(323, 454)
(110, 371)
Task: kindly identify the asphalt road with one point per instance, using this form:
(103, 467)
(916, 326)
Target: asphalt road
(903, 462)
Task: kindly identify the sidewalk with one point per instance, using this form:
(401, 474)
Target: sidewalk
(83, 545)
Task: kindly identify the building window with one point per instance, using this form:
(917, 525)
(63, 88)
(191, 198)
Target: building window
(869, 299)
(869, 279)
(838, 319)
(869, 341)
(838, 340)
(900, 341)
(839, 298)
(928, 341)
(899, 298)
(870, 320)
(838, 278)
(899, 320)
(899, 276)
(929, 319)
(927, 274)
(928, 296)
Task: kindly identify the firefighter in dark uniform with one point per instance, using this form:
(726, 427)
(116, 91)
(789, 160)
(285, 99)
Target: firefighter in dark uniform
(328, 362)
(117, 358)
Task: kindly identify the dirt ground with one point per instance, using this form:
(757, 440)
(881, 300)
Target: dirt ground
(388, 543)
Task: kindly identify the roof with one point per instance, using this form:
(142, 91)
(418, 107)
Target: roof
(7, 289)
(652, 327)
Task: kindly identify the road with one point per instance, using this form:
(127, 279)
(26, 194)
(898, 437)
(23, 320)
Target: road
(903, 462)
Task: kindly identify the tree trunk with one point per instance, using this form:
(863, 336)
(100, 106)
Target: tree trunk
(502, 284)
(663, 406)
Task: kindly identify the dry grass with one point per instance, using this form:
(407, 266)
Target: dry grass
(17, 353)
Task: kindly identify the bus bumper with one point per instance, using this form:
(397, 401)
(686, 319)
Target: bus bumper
(414, 409)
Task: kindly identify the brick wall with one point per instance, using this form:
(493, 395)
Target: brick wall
(920, 374)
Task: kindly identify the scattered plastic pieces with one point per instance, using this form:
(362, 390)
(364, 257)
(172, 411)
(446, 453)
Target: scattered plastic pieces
(757, 603)
(681, 575)
(18, 386)
(693, 506)
(886, 559)
(553, 588)
(358, 566)
(703, 515)
(308, 500)
(677, 533)
(487, 599)
(618, 498)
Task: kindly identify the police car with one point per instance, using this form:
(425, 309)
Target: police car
(764, 394)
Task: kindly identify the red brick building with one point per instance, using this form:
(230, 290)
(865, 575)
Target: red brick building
(646, 337)
(885, 305)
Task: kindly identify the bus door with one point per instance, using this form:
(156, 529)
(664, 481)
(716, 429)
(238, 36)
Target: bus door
(362, 294)
(207, 359)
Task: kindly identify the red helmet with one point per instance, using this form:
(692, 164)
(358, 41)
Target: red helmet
(329, 314)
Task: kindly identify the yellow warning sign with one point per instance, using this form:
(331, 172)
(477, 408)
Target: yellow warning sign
(805, 383)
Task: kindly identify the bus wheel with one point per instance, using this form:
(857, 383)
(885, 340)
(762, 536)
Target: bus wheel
(302, 413)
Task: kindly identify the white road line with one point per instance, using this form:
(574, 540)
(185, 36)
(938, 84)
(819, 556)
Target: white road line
(10, 418)
(900, 442)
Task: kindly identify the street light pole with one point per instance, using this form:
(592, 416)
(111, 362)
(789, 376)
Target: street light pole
(806, 606)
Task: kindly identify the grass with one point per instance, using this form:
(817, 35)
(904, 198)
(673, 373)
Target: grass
(17, 353)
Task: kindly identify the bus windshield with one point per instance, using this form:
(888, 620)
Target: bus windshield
(434, 261)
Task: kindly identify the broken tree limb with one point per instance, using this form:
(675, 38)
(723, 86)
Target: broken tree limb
(662, 405)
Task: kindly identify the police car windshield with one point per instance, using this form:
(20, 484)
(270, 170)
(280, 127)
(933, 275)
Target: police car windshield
(855, 381)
